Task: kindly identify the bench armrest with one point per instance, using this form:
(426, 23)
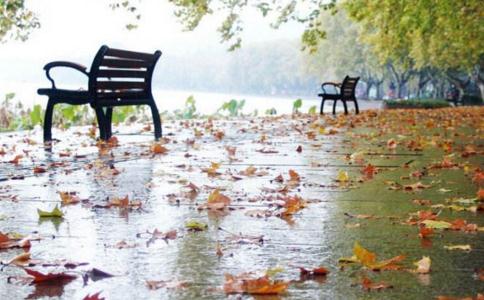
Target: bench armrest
(334, 84)
(66, 64)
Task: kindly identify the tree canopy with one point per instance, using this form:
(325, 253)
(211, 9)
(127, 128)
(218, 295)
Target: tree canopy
(16, 21)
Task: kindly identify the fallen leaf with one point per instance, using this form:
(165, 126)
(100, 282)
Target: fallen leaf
(294, 176)
(124, 203)
(415, 187)
(368, 259)
(49, 277)
(20, 260)
(39, 170)
(369, 171)
(216, 201)
(369, 285)
(173, 284)
(55, 213)
(7, 242)
(246, 283)
(16, 159)
(391, 144)
(459, 247)
(342, 176)
(319, 271)
(94, 296)
(158, 148)
(423, 265)
(436, 224)
(425, 232)
(69, 198)
(193, 225)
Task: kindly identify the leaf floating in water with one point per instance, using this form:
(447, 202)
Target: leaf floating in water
(193, 225)
(55, 213)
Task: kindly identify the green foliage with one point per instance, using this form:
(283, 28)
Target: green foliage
(296, 105)
(191, 13)
(16, 22)
(189, 111)
(37, 115)
(233, 107)
(442, 34)
(312, 110)
(271, 111)
(423, 103)
(122, 113)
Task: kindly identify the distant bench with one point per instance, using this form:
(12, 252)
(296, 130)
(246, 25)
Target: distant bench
(133, 73)
(345, 91)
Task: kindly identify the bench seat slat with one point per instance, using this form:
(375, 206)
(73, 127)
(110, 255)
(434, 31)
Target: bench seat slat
(113, 85)
(124, 63)
(123, 95)
(129, 54)
(108, 73)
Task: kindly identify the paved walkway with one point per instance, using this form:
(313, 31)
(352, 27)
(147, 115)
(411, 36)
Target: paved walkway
(256, 163)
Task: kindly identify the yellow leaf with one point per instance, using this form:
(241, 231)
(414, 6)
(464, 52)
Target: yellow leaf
(436, 224)
(364, 256)
(459, 247)
(195, 225)
(342, 176)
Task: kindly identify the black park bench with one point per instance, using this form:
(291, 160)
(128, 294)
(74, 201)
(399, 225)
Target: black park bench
(116, 78)
(345, 91)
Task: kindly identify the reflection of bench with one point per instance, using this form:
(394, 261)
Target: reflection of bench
(116, 78)
(345, 91)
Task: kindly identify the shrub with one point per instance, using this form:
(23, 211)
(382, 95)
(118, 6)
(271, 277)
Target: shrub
(414, 103)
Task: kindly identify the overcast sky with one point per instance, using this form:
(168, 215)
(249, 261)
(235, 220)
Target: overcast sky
(75, 28)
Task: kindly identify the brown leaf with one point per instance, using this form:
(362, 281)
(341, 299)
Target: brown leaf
(368, 285)
(248, 283)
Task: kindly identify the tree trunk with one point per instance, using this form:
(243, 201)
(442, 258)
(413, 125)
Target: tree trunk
(367, 90)
(460, 84)
(481, 89)
(378, 89)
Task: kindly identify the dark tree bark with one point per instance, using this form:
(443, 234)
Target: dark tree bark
(400, 78)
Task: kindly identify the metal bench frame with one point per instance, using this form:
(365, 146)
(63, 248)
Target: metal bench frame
(116, 78)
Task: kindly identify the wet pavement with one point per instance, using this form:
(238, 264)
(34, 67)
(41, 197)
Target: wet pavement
(341, 207)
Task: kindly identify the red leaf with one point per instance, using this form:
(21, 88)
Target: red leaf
(49, 277)
(93, 296)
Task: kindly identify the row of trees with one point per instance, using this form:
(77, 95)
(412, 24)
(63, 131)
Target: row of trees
(402, 48)
(413, 41)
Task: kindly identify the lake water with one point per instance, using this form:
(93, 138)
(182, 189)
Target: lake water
(206, 102)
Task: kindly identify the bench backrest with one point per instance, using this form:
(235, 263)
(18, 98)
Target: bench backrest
(120, 77)
(348, 87)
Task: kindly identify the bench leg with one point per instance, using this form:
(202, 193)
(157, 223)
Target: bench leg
(334, 106)
(101, 121)
(156, 120)
(49, 111)
(322, 106)
(345, 106)
(108, 126)
(356, 107)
